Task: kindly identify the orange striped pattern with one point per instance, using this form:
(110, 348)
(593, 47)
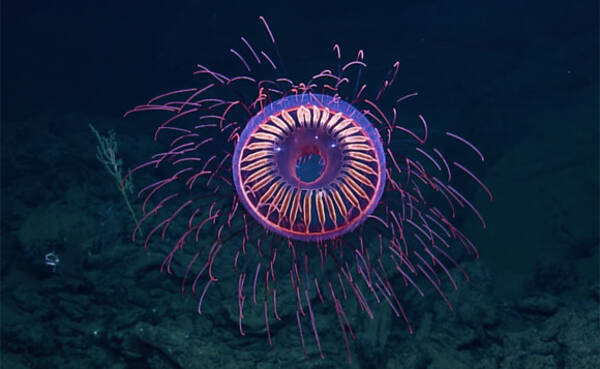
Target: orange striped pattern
(296, 210)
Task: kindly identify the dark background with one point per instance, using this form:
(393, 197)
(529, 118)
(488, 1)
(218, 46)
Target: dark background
(518, 78)
(99, 56)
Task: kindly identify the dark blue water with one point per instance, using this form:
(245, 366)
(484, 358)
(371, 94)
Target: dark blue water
(519, 80)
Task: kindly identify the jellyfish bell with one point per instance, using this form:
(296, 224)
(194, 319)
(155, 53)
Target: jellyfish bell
(282, 139)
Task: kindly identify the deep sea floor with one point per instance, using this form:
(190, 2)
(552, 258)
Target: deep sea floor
(532, 301)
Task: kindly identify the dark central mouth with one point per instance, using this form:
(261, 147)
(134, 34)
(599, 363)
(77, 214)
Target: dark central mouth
(309, 167)
(309, 158)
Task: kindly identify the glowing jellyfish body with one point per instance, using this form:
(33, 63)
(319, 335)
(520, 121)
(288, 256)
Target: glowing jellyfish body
(300, 187)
